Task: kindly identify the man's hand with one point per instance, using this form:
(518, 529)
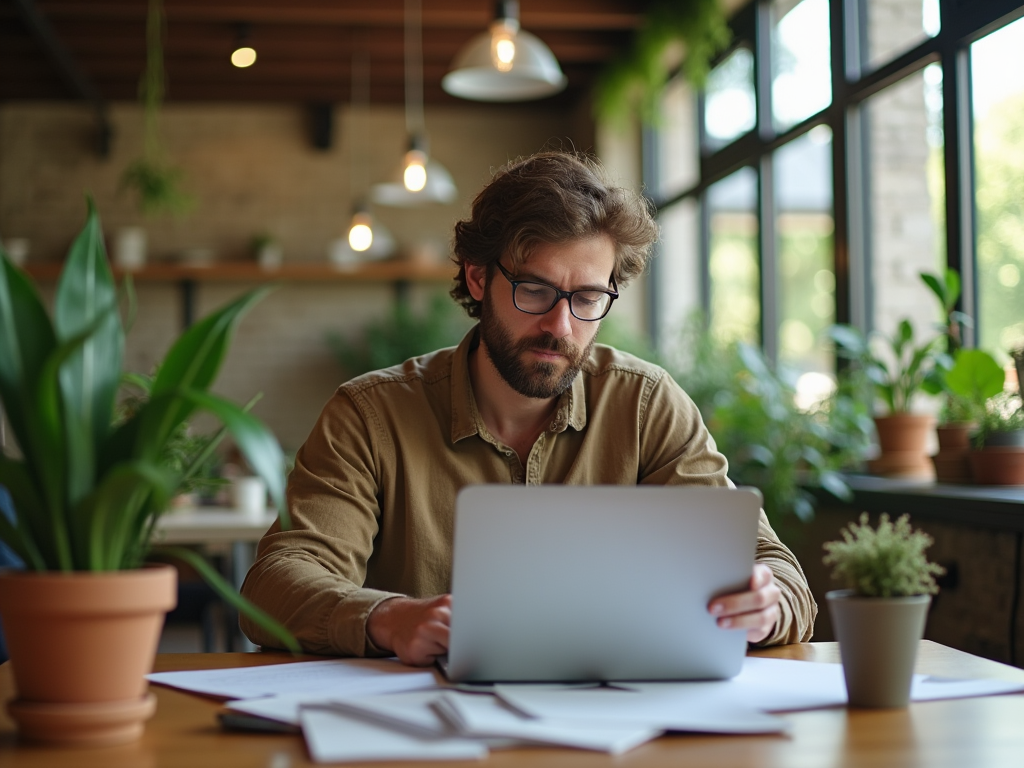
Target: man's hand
(415, 630)
(756, 611)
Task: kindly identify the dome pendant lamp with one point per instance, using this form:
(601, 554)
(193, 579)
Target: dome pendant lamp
(366, 237)
(505, 63)
(421, 179)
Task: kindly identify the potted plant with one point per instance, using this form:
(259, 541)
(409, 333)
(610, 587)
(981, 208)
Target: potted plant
(83, 620)
(974, 378)
(896, 378)
(879, 617)
(998, 458)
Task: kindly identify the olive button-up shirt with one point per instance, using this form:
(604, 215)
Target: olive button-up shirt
(372, 495)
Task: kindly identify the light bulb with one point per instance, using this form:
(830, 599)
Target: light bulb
(244, 57)
(503, 49)
(360, 235)
(415, 174)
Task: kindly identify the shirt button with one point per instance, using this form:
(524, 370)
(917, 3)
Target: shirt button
(508, 453)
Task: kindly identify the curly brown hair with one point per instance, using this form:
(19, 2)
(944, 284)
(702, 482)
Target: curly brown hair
(551, 197)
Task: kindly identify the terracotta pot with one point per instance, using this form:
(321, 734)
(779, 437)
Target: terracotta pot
(953, 461)
(81, 645)
(998, 465)
(902, 438)
(878, 639)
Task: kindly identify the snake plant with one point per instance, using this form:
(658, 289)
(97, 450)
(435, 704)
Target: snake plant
(89, 488)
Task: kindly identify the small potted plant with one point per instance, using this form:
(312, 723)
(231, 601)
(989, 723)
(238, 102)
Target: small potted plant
(879, 617)
(998, 458)
(83, 620)
(897, 378)
(974, 378)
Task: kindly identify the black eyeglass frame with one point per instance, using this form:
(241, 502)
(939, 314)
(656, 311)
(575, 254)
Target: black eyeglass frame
(560, 294)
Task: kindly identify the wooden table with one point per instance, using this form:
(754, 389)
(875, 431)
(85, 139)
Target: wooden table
(968, 733)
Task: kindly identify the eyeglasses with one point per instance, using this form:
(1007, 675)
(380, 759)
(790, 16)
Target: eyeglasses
(538, 298)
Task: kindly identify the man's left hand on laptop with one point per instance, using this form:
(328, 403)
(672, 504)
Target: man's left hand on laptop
(756, 611)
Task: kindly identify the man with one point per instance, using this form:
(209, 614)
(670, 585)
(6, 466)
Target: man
(526, 397)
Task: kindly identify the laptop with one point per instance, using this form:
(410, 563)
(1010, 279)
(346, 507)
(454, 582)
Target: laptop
(597, 583)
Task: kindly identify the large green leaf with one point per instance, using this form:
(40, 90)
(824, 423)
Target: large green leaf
(87, 299)
(118, 511)
(975, 375)
(193, 363)
(26, 340)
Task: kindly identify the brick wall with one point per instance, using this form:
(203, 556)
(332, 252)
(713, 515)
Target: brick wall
(252, 168)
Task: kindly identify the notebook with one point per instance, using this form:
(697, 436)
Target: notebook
(597, 583)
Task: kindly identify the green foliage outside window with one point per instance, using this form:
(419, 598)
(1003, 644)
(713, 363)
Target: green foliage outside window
(999, 168)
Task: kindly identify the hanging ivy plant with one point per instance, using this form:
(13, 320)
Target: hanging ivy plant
(695, 30)
(156, 182)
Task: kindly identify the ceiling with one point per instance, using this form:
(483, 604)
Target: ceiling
(95, 49)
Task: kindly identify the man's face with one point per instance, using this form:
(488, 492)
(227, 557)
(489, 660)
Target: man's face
(540, 355)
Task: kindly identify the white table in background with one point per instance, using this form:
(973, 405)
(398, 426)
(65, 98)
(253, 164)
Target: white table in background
(217, 527)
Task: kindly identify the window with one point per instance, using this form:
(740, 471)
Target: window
(847, 147)
(902, 154)
(892, 27)
(730, 108)
(998, 115)
(735, 306)
(801, 79)
(804, 229)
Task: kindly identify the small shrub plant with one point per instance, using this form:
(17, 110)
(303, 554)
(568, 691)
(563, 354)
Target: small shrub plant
(888, 561)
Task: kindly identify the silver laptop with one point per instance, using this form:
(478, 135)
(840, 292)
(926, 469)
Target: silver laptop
(564, 583)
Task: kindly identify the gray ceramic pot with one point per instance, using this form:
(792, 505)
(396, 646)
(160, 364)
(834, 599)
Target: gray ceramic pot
(878, 639)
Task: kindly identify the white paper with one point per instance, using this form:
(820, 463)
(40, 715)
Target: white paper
(785, 685)
(668, 709)
(283, 709)
(334, 737)
(769, 685)
(484, 716)
(411, 712)
(932, 688)
(337, 677)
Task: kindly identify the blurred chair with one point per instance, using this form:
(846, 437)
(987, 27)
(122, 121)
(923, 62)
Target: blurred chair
(7, 558)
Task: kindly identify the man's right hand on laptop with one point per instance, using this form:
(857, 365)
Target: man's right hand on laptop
(414, 630)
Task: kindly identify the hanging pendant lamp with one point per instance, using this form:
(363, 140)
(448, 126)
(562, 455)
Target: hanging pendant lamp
(366, 238)
(504, 63)
(421, 179)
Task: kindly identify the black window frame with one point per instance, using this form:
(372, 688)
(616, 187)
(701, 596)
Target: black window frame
(962, 23)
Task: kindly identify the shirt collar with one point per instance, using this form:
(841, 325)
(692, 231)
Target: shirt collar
(572, 405)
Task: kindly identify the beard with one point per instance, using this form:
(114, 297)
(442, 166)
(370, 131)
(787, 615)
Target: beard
(537, 379)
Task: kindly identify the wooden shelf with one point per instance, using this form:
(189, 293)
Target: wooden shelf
(247, 272)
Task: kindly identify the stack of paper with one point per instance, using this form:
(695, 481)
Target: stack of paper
(359, 710)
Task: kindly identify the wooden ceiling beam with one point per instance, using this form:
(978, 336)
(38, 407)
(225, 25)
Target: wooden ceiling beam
(551, 14)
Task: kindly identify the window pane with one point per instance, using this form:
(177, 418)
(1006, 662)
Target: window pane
(735, 274)
(895, 26)
(906, 200)
(804, 227)
(999, 193)
(801, 60)
(678, 161)
(678, 270)
(729, 104)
